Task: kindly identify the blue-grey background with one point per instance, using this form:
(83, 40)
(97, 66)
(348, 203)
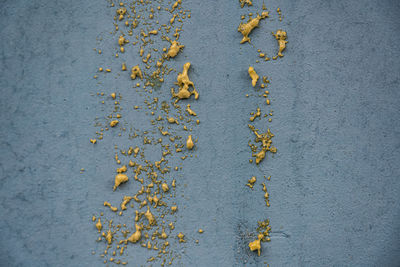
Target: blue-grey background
(335, 185)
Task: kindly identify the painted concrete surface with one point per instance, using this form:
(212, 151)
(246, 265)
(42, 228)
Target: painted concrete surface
(335, 183)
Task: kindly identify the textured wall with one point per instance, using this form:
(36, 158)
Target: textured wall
(335, 180)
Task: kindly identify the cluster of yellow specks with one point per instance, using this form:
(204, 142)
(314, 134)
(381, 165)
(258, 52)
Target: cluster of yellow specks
(262, 236)
(140, 211)
(261, 145)
(266, 144)
(251, 182)
(246, 28)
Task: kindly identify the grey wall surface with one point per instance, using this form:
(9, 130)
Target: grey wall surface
(335, 184)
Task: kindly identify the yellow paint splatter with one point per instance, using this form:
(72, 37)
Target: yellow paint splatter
(184, 82)
(246, 28)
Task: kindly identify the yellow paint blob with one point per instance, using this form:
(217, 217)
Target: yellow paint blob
(256, 244)
(280, 36)
(243, 2)
(246, 28)
(181, 237)
(119, 179)
(251, 182)
(165, 187)
(135, 71)
(174, 49)
(93, 141)
(114, 123)
(184, 82)
(122, 169)
(135, 237)
(253, 75)
(126, 200)
(109, 237)
(149, 216)
(99, 226)
(189, 142)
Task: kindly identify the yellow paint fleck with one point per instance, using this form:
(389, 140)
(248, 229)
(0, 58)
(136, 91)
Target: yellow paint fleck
(99, 226)
(135, 71)
(135, 237)
(109, 205)
(93, 141)
(119, 179)
(165, 187)
(243, 2)
(174, 49)
(181, 237)
(190, 111)
(184, 82)
(114, 123)
(251, 182)
(125, 201)
(246, 28)
(256, 244)
(256, 114)
(189, 142)
(280, 36)
(253, 75)
(149, 216)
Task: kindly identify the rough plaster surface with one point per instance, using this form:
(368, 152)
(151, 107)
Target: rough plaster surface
(335, 183)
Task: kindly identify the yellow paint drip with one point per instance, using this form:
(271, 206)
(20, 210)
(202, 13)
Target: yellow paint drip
(189, 142)
(135, 71)
(93, 141)
(119, 179)
(184, 82)
(280, 36)
(246, 28)
(253, 75)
